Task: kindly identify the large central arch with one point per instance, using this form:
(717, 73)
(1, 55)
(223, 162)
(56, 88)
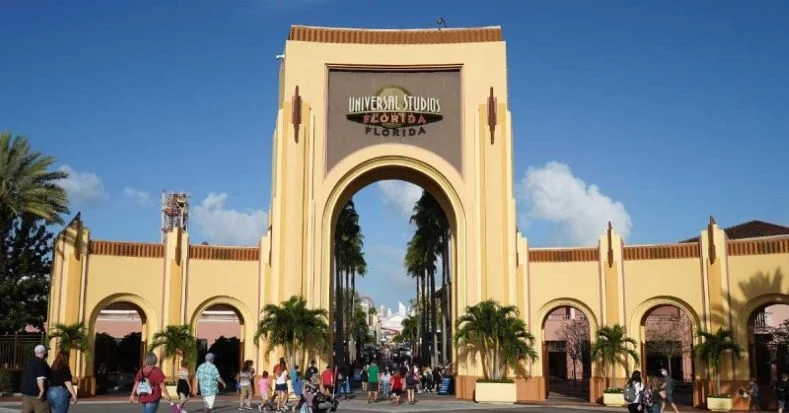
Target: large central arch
(407, 169)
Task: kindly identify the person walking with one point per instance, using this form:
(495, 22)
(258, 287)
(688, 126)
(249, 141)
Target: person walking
(34, 383)
(386, 383)
(183, 388)
(61, 388)
(311, 375)
(411, 383)
(364, 377)
(245, 380)
(634, 387)
(667, 391)
(753, 393)
(281, 384)
(327, 380)
(373, 376)
(781, 391)
(208, 380)
(264, 388)
(397, 387)
(149, 385)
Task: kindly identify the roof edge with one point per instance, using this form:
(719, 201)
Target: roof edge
(318, 34)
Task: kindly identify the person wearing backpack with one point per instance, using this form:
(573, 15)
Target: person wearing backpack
(650, 401)
(149, 385)
(633, 392)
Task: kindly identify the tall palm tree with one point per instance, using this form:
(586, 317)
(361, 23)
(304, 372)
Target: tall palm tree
(177, 340)
(418, 263)
(27, 185)
(69, 336)
(612, 345)
(293, 326)
(499, 334)
(350, 262)
(409, 333)
(432, 227)
(712, 348)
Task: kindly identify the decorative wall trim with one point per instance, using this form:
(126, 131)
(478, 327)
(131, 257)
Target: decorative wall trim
(758, 246)
(661, 252)
(416, 36)
(564, 255)
(126, 249)
(210, 252)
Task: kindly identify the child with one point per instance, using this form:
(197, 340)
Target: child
(753, 392)
(265, 393)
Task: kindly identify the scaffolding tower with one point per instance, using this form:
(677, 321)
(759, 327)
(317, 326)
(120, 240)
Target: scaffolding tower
(175, 211)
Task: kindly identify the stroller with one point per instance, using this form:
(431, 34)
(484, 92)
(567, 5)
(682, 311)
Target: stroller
(313, 401)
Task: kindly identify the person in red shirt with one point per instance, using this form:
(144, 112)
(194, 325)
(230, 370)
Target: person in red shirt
(397, 387)
(327, 380)
(149, 385)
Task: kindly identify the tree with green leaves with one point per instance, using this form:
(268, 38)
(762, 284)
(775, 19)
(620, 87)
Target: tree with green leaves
(349, 262)
(27, 184)
(498, 334)
(712, 348)
(612, 346)
(409, 333)
(69, 336)
(293, 326)
(177, 340)
(25, 267)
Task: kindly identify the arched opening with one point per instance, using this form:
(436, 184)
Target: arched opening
(667, 337)
(566, 354)
(768, 348)
(121, 331)
(432, 274)
(219, 329)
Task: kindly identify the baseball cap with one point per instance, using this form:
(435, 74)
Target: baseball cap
(40, 349)
(209, 357)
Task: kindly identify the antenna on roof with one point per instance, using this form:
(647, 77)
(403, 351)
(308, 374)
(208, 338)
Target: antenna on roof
(441, 23)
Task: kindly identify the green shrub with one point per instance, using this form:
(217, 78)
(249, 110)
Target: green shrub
(10, 381)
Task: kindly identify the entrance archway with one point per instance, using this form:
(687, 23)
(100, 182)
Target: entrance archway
(380, 169)
(768, 348)
(220, 328)
(119, 332)
(667, 337)
(566, 328)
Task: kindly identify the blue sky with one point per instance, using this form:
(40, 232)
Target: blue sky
(651, 114)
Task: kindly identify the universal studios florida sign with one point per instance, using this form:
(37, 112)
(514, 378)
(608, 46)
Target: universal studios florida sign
(393, 111)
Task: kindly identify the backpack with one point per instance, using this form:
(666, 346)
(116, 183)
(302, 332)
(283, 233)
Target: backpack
(648, 397)
(630, 393)
(144, 386)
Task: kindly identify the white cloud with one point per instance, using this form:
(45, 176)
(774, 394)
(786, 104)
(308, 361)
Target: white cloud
(554, 194)
(400, 195)
(228, 226)
(387, 281)
(82, 187)
(142, 198)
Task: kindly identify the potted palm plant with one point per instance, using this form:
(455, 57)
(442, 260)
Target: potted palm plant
(502, 340)
(70, 337)
(711, 350)
(175, 341)
(611, 346)
(294, 326)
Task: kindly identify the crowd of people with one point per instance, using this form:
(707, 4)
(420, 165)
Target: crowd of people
(651, 394)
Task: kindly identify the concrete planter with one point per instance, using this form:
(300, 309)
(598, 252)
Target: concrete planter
(502, 393)
(614, 399)
(719, 404)
(172, 390)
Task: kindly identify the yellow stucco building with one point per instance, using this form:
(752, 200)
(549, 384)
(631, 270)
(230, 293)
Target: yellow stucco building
(429, 107)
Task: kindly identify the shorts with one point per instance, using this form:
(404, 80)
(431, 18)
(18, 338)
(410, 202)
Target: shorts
(372, 386)
(281, 387)
(208, 401)
(781, 403)
(329, 389)
(397, 392)
(183, 388)
(246, 391)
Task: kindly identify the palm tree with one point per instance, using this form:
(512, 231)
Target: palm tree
(418, 264)
(612, 345)
(70, 336)
(176, 341)
(409, 333)
(349, 261)
(27, 185)
(293, 326)
(712, 348)
(498, 333)
(432, 228)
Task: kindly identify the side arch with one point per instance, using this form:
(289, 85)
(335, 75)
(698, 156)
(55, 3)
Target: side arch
(740, 326)
(642, 310)
(542, 313)
(243, 312)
